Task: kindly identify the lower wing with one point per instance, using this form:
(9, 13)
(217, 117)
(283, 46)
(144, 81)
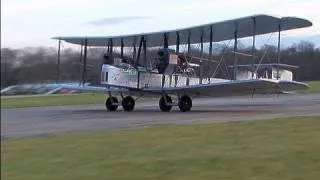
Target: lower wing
(234, 88)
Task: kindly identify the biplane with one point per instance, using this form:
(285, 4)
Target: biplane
(171, 74)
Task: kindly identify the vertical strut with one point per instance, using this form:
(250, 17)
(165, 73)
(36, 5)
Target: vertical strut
(253, 45)
(201, 55)
(165, 40)
(139, 49)
(108, 49)
(235, 47)
(81, 52)
(145, 52)
(81, 57)
(84, 61)
(122, 44)
(210, 45)
(189, 37)
(134, 51)
(278, 59)
(58, 63)
(177, 42)
(111, 45)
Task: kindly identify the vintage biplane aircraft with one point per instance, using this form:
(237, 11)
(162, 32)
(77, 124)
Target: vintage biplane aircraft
(172, 73)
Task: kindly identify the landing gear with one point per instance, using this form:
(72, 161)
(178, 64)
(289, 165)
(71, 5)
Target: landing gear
(112, 103)
(128, 103)
(165, 103)
(185, 103)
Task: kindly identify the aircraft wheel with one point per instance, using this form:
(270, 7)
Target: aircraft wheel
(162, 104)
(112, 103)
(128, 103)
(185, 103)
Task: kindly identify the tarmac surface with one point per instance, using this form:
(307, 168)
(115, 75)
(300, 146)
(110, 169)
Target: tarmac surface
(26, 122)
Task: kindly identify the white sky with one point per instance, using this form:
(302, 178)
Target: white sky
(34, 22)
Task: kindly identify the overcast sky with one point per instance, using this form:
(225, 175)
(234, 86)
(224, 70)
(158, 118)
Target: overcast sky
(34, 22)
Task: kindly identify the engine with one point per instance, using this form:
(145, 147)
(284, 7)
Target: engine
(111, 59)
(168, 61)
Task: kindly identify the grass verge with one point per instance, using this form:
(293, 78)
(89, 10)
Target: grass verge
(314, 87)
(272, 149)
(52, 100)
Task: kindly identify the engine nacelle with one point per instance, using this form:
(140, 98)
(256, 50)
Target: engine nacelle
(111, 59)
(168, 61)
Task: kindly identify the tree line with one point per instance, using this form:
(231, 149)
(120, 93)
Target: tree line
(39, 65)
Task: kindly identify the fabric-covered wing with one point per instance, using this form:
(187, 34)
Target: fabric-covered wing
(234, 88)
(221, 31)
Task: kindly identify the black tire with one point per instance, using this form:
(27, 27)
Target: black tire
(185, 103)
(128, 103)
(162, 104)
(112, 103)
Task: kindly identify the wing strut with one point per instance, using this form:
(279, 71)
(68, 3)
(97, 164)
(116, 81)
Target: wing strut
(58, 63)
(84, 61)
(139, 50)
(278, 59)
(210, 46)
(134, 51)
(189, 36)
(81, 52)
(145, 52)
(253, 45)
(165, 40)
(111, 45)
(80, 60)
(122, 44)
(108, 47)
(177, 42)
(235, 47)
(201, 55)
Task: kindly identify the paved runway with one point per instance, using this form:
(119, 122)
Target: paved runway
(53, 120)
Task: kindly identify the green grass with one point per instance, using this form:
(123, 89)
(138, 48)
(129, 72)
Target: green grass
(314, 87)
(273, 149)
(52, 100)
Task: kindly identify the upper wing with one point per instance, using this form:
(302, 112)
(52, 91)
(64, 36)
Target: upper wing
(232, 88)
(225, 30)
